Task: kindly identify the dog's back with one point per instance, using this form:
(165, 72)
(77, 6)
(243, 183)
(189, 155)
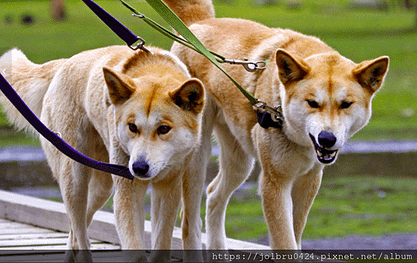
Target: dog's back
(193, 11)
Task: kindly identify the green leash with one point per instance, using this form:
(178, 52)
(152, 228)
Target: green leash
(267, 116)
(189, 39)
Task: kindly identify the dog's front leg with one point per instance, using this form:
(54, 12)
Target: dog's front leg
(278, 210)
(191, 223)
(192, 189)
(130, 215)
(304, 191)
(165, 200)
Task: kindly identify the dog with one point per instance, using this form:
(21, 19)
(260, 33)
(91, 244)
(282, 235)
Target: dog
(134, 108)
(325, 98)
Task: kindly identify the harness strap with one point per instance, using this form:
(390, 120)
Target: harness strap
(54, 138)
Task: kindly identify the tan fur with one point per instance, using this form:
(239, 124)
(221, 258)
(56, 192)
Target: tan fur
(192, 10)
(119, 106)
(325, 99)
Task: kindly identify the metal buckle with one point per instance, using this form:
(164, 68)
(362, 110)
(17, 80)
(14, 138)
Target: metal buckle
(276, 113)
(141, 46)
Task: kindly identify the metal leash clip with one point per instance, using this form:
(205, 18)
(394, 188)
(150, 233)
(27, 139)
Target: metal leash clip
(140, 45)
(250, 66)
(269, 116)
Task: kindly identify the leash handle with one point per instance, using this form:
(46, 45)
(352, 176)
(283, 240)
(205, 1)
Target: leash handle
(54, 138)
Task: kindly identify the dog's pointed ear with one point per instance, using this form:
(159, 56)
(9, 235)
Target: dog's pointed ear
(371, 73)
(189, 96)
(290, 68)
(120, 86)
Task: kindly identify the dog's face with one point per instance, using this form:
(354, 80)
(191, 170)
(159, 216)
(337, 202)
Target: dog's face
(327, 98)
(157, 120)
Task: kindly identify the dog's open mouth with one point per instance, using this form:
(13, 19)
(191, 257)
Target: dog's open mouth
(323, 155)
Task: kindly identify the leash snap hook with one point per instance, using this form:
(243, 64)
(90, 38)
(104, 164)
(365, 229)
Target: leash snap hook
(140, 45)
(252, 66)
(249, 66)
(260, 67)
(277, 114)
(269, 116)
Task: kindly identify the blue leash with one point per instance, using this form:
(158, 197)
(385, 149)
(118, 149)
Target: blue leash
(123, 32)
(51, 136)
(57, 141)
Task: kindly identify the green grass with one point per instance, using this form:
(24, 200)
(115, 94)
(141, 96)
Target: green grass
(363, 206)
(10, 137)
(344, 206)
(45, 39)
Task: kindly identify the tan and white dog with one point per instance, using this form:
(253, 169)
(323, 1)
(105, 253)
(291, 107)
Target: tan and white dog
(115, 105)
(325, 99)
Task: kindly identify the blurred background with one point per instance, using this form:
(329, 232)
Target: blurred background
(370, 191)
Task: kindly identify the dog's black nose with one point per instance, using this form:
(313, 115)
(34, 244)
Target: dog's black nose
(141, 168)
(327, 139)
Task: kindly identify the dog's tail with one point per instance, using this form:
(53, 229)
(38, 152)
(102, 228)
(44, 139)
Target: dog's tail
(31, 81)
(191, 11)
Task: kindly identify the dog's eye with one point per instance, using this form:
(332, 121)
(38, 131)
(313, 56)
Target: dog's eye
(346, 104)
(163, 129)
(313, 104)
(133, 128)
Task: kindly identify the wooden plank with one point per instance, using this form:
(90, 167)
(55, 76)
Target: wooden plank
(103, 227)
(33, 242)
(13, 225)
(37, 242)
(29, 230)
(100, 246)
(33, 211)
(49, 234)
(51, 215)
(59, 256)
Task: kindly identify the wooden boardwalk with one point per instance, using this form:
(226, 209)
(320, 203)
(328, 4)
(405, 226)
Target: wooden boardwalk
(15, 235)
(36, 230)
(27, 243)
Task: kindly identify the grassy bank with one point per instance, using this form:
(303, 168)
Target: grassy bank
(356, 34)
(344, 206)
